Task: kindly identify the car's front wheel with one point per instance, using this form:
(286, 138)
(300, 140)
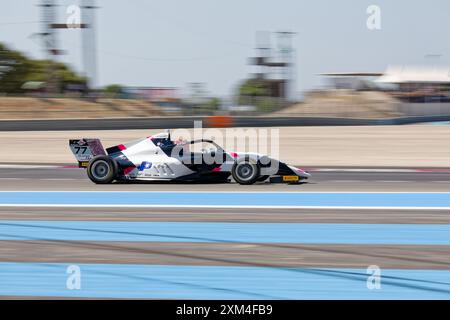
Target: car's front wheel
(245, 172)
(102, 170)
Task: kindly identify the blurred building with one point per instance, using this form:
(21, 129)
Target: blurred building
(352, 80)
(395, 79)
(151, 93)
(408, 79)
(412, 90)
(167, 97)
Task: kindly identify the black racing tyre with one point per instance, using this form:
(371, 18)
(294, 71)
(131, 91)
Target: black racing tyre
(262, 178)
(245, 172)
(102, 170)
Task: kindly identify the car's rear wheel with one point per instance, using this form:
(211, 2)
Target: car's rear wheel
(245, 172)
(102, 170)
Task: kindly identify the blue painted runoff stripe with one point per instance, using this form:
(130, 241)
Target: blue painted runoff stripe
(313, 199)
(216, 282)
(222, 232)
(440, 123)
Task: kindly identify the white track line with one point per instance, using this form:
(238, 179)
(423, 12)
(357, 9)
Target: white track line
(226, 192)
(27, 166)
(44, 205)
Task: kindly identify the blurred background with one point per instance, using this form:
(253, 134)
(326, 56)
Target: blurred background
(331, 80)
(102, 59)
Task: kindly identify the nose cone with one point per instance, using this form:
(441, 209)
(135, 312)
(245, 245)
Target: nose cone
(306, 174)
(303, 173)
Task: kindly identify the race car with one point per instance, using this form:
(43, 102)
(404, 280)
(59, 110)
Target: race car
(158, 158)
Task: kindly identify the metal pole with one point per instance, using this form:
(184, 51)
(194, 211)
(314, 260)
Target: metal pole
(89, 42)
(286, 50)
(49, 43)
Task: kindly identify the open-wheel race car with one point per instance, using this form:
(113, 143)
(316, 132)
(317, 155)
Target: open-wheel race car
(158, 158)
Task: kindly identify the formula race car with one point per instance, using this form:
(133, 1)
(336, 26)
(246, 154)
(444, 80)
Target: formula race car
(158, 158)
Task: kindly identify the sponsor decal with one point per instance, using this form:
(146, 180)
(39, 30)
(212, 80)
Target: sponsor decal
(83, 164)
(82, 153)
(290, 178)
(145, 165)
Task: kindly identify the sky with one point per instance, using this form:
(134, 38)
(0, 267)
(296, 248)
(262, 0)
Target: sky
(176, 42)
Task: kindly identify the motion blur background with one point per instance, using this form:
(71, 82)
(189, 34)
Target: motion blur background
(90, 59)
(98, 65)
(359, 92)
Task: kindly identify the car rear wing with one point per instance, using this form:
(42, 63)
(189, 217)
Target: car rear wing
(85, 149)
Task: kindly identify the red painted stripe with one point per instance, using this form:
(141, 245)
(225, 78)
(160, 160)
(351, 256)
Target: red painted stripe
(128, 170)
(70, 167)
(434, 170)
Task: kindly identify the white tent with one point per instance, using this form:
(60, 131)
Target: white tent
(409, 74)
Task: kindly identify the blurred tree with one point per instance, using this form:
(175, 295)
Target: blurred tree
(213, 103)
(253, 88)
(257, 93)
(16, 69)
(113, 90)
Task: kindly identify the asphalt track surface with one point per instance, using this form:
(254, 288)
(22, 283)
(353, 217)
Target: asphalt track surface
(188, 122)
(41, 179)
(421, 270)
